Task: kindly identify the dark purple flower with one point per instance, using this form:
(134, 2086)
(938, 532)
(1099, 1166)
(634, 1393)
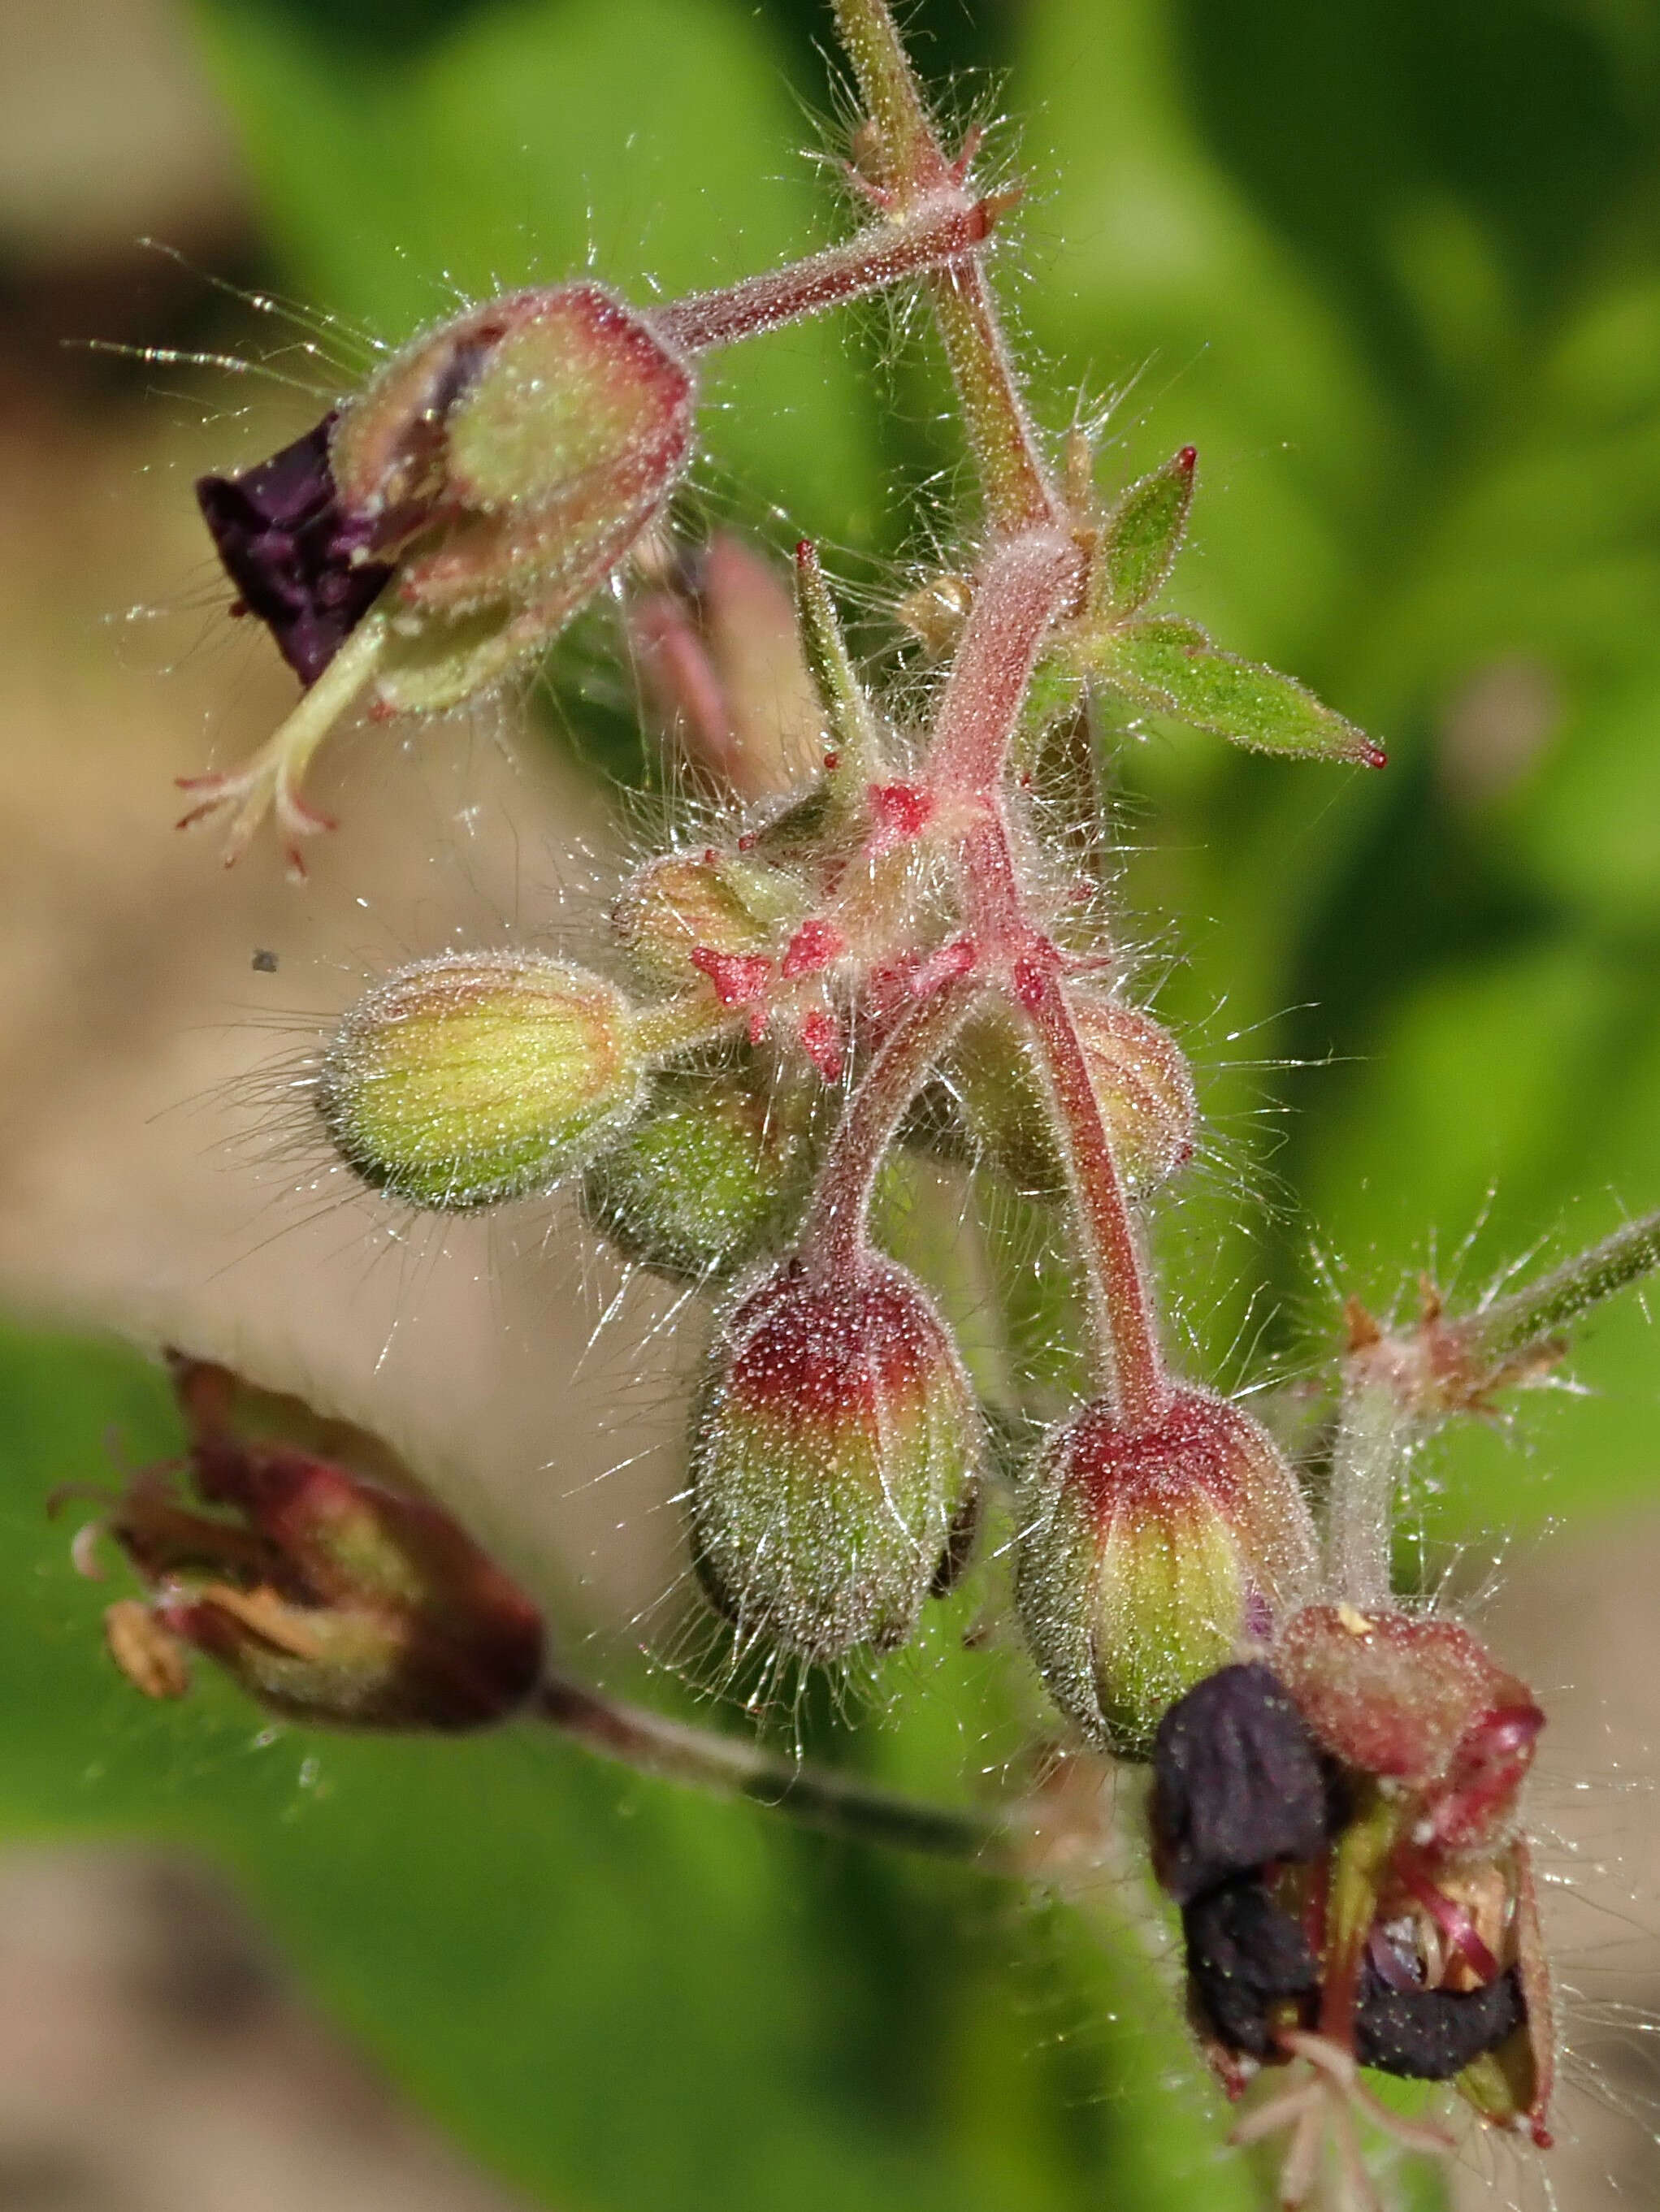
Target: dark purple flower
(1432, 2035)
(1237, 1781)
(295, 556)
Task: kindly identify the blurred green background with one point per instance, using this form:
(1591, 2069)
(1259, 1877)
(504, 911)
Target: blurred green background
(1393, 266)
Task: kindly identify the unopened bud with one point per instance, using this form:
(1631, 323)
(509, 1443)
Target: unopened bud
(1141, 1082)
(720, 903)
(477, 1078)
(329, 1595)
(837, 1446)
(1151, 1554)
(712, 1174)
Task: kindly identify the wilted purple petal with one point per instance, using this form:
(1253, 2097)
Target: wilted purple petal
(1237, 1781)
(287, 547)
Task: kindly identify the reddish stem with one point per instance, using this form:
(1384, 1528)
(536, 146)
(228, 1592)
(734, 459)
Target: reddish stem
(1122, 1309)
(833, 1234)
(930, 235)
(913, 165)
(1025, 586)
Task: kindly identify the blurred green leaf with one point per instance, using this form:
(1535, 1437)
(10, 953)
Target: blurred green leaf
(652, 140)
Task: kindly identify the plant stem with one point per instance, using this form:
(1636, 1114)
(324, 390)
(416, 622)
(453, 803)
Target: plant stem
(1496, 1334)
(834, 1233)
(913, 166)
(1375, 1430)
(936, 233)
(731, 1767)
(1025, 585)
(1121, 1309)
(676, 1025)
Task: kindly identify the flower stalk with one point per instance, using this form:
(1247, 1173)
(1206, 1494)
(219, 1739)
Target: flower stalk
(733, 1766)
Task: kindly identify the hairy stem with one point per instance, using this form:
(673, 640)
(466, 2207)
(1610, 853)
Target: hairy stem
(731, 1767)
(834, 1233)
(1500, 1332)
(925, 237)
(1126, 1342)
(1376, 1432)
(1025, 587)
(676, 1025)
(913, 165)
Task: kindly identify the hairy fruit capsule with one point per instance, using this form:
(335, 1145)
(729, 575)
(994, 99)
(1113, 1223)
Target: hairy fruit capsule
(837, 1449)
(1150, 1554)
(712, 1174)
(476, 1077)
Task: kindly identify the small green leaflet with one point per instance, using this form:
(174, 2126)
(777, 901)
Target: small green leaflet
(1170, 667)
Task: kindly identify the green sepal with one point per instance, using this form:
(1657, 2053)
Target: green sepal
(1142, 537)
(434, 662)
(1170, 667)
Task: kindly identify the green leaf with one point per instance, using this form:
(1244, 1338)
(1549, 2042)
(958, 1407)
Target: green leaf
(1171, 667)
(1143, 537)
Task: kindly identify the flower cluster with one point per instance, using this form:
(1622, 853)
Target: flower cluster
(883, 957)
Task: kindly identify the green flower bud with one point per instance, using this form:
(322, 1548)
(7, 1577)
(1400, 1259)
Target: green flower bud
(711, 1176)
(708, 902)
(1141, 1082)
(1149, 1555)
(477, 1078)
(838, 1446)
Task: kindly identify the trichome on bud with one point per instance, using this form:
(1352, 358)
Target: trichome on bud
(1150, 1554)
(837, 1448)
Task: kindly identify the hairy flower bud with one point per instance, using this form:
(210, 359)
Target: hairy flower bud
(331, 1595)
(837, 1448)
(476, 1077)
(711, 1176)
(1150, 1554)
(1141, 1081)
(708, 903)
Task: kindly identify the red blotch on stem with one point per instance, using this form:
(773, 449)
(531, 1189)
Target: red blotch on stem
(813, 946)
(899, 813)
(820, 1040)
(739, 978)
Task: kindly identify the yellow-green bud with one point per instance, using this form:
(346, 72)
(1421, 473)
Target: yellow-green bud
(713, 903)
(712, 1174)
(837, 1448)
(1150, 1554)
(477, 1078)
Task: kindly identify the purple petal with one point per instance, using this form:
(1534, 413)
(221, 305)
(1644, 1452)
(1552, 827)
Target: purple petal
(290, 550)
